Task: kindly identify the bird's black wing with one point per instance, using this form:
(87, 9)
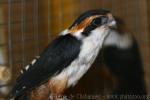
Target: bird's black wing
(58, 55)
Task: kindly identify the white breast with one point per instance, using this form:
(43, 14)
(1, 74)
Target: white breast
(89, 51)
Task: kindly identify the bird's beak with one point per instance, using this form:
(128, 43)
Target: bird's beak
(111, 21)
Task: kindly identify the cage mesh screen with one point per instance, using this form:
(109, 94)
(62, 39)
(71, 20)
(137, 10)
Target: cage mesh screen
(27, 26)
(23, 32)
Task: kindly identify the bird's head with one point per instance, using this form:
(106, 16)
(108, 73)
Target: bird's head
(100, 20)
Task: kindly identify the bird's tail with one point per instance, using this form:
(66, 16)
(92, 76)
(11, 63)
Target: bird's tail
(20, 95)
(10, 96)
(24, 96)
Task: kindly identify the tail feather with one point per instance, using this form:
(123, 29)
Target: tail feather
(25, 96)
(18, 95)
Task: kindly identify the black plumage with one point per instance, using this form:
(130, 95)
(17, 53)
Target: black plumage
(88, 14)
(58, 55)
(94, 24)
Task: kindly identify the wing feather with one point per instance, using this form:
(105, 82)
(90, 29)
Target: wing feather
(58, 55)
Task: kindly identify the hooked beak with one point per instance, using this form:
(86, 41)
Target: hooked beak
(112, 24)
(111, 21)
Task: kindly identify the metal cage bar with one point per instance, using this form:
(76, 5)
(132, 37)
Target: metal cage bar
(36, 25)
(23, 15)
(10, 32)
(49, 16)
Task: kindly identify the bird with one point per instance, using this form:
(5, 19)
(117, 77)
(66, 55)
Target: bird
(117, 73)
(68, 57)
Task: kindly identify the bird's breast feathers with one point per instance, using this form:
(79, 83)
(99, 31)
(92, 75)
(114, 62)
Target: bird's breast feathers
(88, 53)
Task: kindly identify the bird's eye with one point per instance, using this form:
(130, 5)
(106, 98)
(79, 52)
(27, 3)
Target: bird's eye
(100, 21)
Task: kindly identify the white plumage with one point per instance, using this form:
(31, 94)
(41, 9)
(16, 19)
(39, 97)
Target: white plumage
(89, 51)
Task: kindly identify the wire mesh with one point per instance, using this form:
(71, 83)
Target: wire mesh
(28, 24)
(10, 32)
(24, 28)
